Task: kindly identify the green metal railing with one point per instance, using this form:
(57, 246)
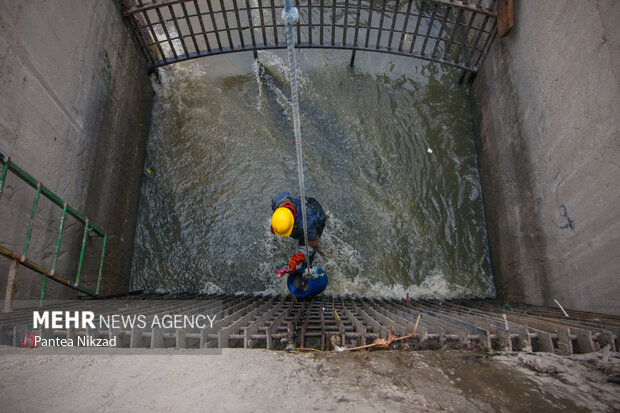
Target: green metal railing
(90, 230)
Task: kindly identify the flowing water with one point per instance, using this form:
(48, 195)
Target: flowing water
(388, 152)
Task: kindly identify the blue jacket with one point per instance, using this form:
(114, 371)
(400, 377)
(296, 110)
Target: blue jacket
(315, 216)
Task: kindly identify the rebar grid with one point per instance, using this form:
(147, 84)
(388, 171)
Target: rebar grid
(325, 323)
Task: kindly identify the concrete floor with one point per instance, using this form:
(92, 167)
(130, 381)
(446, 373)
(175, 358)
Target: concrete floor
(262, 380)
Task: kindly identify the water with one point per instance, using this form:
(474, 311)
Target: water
(388, 151)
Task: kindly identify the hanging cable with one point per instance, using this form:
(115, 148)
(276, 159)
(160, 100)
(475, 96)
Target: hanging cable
(290, 15)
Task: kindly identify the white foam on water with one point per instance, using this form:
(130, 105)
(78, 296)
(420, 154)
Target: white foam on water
(434, 286)
(348, 276)
(346, 259)
(211, 288)
(259, 99)
(278, 68)
(162, 39)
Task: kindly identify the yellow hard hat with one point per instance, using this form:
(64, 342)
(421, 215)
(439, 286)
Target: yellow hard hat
(282, 222)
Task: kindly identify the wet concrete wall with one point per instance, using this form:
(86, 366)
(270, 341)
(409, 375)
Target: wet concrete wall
(547, 105)
(75, 107)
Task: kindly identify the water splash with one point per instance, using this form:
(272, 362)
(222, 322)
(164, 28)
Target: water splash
(401, 220)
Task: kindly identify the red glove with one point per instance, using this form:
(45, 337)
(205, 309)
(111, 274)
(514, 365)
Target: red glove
(296, 260)
(280, 271)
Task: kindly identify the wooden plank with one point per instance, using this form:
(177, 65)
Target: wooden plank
(505, 17)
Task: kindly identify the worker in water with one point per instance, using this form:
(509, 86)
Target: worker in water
(287, 221)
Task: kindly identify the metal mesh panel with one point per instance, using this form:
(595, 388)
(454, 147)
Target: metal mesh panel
(457, 33)
(278, 322)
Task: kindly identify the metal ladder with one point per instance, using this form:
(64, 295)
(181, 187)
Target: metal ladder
(90, 230)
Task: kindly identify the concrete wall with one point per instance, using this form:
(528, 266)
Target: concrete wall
(75, 105)
(547, 104)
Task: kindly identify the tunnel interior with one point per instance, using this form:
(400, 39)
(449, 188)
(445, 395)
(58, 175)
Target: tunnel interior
(536, 198)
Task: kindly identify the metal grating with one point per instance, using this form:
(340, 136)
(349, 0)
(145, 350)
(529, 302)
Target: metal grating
(276, 322)
(454, 32)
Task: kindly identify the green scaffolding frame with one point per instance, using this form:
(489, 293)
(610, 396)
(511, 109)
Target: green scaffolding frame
(90, 230)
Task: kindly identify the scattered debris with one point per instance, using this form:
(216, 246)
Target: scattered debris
(561, 308)
(378, 343)
(28, 340)
(381, 343)
(336, 316)
(606, 353)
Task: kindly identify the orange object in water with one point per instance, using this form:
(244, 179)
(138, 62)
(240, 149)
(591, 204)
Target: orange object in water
(28, 340)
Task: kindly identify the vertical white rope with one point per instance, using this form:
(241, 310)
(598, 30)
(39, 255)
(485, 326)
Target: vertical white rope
(290, 15)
